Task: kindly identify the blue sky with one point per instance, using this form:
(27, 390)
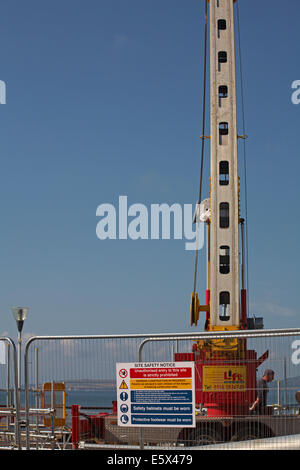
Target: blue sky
(104, 98)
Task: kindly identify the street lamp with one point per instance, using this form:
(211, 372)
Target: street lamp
(20, 315)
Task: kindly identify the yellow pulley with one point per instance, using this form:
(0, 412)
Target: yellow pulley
(195, 309)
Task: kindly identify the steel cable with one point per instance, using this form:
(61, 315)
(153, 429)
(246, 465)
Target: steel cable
(244, 148)
(202, 148)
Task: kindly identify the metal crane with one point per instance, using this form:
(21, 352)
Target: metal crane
(226, 369)
(222, 212)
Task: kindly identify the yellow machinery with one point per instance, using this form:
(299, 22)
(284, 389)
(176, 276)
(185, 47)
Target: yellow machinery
(54, 396)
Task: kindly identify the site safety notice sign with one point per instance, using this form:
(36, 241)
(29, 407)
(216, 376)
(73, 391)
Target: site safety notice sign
(156, 394)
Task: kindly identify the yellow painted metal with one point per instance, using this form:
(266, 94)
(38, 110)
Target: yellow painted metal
(227, 347)
(224, 344)
(204, 308)
(58, 390)
(196, 308)
(195, 305)
(224, 328)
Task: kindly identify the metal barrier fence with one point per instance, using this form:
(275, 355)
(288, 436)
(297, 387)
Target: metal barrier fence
(225, 418)
(10, 396)
(87, 366)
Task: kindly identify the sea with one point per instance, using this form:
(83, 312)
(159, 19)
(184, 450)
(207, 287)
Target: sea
(95, 401)
(91, 398)
(102, 399)
(91, 401)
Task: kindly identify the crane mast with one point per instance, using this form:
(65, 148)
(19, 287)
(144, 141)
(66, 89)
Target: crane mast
(225, 302)
(225, 367)
(224, 189)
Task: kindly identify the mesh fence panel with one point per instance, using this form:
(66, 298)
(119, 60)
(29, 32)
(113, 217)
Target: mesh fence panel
(226, 369)
(9, 398)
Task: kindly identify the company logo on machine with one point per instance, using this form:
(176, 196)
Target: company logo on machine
(224, 378)
(231, 377)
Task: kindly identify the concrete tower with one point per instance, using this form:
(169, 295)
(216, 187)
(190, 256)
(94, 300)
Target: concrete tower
(224, 195)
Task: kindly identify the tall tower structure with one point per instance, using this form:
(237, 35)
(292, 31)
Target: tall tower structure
(225, 367)
(224, 194)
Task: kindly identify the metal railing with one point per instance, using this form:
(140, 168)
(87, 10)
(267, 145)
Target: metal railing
(115, 348)
(12, 410)
(84, 360)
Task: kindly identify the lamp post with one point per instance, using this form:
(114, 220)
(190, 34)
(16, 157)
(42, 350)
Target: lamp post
(20, 315)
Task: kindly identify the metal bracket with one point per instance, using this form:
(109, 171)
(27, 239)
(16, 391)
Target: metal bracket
(204, 136)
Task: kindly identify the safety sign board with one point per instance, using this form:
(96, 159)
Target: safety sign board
(157, 394)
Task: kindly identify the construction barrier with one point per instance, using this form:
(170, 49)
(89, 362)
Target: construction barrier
(223, 391)
(10, 396)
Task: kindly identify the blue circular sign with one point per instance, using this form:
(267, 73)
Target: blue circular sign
(124, 396)
(124, 419)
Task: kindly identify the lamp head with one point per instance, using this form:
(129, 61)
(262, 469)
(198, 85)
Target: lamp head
(20, 315)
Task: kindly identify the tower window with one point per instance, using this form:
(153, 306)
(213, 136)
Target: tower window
(224, 173)
(224, 310)
(224, 257)
(222, 59)
(223, 128)
(221, 26)
(223, 93)
(224, 215)
(223, 133)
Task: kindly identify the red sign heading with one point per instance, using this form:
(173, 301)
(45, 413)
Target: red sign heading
(161, 373)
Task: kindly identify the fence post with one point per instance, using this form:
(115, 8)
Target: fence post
(17, 401)
(26, 380)
(37, 398)
(141, 431)
(8, 392)
(75, 413)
